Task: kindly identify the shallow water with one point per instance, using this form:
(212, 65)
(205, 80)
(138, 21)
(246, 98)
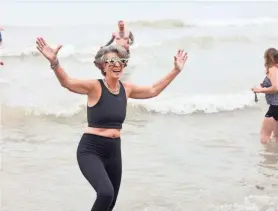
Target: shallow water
(195, 147)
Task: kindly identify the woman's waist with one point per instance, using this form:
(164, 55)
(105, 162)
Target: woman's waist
(105, 132)
(272, 98)
(99, 145)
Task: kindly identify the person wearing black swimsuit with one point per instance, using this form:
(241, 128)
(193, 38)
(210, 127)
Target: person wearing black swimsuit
(99, 150)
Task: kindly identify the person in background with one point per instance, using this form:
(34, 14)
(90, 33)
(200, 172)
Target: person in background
(123, 37)
(270, 88)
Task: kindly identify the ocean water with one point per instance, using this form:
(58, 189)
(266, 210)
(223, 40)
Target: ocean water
(194, 147)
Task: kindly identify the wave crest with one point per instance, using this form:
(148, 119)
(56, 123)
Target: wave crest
(166, 105)
(167, 23)
(70, 51)
(176, 23)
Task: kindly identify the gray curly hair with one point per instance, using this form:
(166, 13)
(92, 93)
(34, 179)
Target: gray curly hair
(100, 56)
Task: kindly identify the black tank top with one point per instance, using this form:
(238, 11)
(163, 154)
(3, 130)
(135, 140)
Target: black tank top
(110, 110)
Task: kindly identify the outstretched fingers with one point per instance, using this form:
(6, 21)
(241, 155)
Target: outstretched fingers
(39, 49)
(42, 41)
(40, 44)
(181, 54)
(184, 56)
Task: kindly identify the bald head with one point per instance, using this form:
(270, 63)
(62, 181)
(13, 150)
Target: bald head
(121, 25)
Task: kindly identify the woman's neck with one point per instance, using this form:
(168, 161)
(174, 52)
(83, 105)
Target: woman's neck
(112, 83)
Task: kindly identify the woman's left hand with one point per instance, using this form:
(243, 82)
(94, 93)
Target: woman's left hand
(180, 59)
(256, 90)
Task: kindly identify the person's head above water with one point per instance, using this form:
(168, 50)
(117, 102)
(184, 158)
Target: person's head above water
(111, 60)
(121, 25)
(271, 57)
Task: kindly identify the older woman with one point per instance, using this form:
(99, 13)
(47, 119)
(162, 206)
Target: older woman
(270, 88)
(99, 150)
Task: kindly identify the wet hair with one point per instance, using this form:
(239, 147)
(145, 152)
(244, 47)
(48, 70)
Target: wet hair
(100, 56)
(271, 57)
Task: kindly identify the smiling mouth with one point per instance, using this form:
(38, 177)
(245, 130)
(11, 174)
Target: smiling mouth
(116, 71)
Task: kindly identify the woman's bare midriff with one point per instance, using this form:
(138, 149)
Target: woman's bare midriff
(106, 132)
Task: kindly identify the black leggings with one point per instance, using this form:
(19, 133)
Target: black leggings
(100, 161)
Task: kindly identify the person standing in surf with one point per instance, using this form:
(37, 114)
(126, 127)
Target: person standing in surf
(270, 88)
(99, 150)
(123, 37)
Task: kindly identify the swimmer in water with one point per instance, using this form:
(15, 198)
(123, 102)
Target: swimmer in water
(123, 37)
(99, 150)
(270, 88)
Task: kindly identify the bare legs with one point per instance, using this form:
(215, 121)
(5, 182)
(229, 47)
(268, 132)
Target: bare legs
(269, 130)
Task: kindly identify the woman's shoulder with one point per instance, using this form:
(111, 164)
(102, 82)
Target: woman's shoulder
(272, 70)
(126, 84)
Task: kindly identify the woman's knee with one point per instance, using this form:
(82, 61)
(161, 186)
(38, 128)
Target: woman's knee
(265, 138)
(268, 127)
(106, 194)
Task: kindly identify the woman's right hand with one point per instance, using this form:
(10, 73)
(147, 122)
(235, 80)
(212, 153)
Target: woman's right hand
(47, 51)
(180, 59)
